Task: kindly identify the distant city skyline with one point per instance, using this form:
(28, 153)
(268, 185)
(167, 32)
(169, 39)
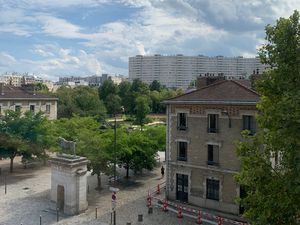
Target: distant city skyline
(74, 37)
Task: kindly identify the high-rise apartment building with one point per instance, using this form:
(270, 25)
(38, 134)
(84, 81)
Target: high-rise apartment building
(179, 70)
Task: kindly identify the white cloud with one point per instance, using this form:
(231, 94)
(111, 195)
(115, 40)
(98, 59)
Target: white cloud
(60, 28)
(63, 61)
(189, 27)
(6, 59)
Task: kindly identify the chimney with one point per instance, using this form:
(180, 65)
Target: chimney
(1, 89)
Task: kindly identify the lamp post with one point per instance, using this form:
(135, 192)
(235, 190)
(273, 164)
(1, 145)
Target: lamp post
(115, 149)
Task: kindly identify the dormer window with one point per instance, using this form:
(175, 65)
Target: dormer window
(182, 121)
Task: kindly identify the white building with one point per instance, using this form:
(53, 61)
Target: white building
(178, 70)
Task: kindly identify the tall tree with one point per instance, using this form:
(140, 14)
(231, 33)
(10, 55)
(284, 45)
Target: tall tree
(125, 95)
(83, 101)
(21, 135)
(113, 104)
(142, 109)
(108, 87)
(155, 86)
(270, 161)
(90, 143)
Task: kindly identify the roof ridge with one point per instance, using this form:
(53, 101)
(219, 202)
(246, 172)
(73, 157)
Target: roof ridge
(245, 87)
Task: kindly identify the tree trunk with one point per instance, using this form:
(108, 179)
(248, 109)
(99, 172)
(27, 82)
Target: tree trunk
(98, 181)
(127, 170)
(11, 167)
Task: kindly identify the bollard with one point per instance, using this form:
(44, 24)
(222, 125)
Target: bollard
(150, 210)
(96, 213)
(165, 205)
(140, 217)
(40, 220)
(158, 190)
(199, 221)
(5, 185)
(219, 221)
(57, 214)
(179, 214)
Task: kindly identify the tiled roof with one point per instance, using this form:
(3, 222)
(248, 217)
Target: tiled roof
(11, 92)
(226, 91)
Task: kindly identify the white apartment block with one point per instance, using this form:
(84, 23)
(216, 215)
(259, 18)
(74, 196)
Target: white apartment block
(179, 70)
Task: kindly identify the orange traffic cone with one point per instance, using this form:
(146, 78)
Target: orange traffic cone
(179, 214)
(199, 220)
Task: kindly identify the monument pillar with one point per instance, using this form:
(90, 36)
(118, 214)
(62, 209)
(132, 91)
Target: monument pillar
(69, 183)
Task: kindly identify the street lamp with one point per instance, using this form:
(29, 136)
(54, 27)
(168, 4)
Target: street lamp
(103, 127)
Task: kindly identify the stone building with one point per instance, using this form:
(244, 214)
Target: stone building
(202, 129)
(26, 99)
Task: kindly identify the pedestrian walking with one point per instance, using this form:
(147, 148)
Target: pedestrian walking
(162, 171)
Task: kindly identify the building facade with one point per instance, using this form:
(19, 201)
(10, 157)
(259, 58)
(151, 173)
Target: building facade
(202, 129)
(22, 99)
(90, 80)
(178, 71)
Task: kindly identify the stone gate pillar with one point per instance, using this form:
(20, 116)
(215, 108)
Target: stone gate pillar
(69, 183)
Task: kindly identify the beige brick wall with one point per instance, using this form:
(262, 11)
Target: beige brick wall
(40, 105)
(196, 165)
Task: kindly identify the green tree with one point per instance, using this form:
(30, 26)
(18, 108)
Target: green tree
(137, 151)
(113, 104)
(108, 87)
(83, 101)
(155, 86)
(21, 135)
(90, 142)
(270, 161)
(125, 95)
(142, 109)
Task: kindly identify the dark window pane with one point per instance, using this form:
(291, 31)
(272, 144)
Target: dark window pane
(32, 108)
(17, 108)
(212, 189)
(182, 121)
(210, 153)
(212, 123)
(182, 151)
(248, 123)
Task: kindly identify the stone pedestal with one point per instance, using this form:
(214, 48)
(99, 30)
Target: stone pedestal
(69, 183)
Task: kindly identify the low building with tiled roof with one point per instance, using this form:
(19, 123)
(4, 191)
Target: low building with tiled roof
(26, 99)
(202, 129)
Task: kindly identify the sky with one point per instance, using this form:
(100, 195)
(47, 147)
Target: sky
(53, 38)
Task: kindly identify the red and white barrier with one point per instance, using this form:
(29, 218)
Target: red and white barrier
(200, 217)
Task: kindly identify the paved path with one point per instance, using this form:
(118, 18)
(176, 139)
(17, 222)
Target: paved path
(28, 197)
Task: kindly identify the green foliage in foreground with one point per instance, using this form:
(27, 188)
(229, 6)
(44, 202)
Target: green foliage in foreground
(135, 149)
(22, 135)
(270, 161)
